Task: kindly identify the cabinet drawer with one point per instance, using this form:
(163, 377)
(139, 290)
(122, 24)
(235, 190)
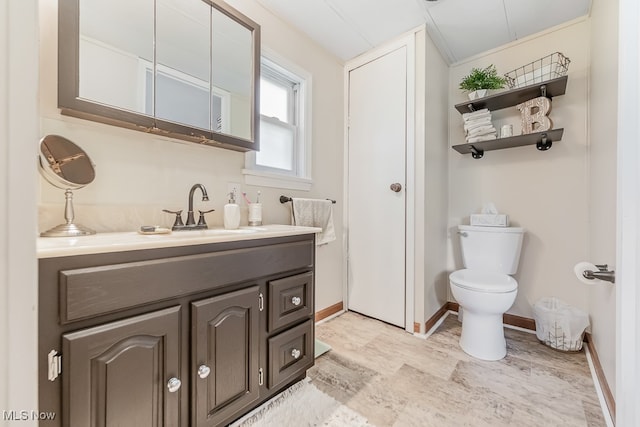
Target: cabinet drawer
(290, 354)
(290, 299)
(92, 291)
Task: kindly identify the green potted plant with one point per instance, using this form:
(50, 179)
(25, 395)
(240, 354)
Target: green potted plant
(481, 79)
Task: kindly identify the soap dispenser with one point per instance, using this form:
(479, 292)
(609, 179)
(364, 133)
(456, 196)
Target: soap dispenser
(231, 213)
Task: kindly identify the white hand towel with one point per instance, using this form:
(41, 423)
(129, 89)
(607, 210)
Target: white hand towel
(314, 213)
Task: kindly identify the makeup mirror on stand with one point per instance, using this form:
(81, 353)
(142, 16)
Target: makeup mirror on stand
(66, 166)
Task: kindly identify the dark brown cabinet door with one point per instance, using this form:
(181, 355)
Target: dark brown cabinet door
(225, 355)
(124, 373)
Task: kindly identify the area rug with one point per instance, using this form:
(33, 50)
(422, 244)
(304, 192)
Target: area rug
(302, 404)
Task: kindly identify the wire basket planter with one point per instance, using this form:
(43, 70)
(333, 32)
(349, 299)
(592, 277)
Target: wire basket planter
(546, 68)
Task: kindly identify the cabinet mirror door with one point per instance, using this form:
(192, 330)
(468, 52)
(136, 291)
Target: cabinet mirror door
(231, 74)
(113, 48)
(183, 68)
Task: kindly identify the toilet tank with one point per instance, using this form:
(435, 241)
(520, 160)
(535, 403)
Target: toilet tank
(495, 249)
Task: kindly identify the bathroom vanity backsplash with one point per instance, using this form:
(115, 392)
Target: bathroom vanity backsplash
(105, 219)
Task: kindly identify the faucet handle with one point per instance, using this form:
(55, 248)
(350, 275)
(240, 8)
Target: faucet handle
(201, 221)
(178, 222)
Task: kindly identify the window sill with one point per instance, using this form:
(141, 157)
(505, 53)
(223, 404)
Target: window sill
(266, 179)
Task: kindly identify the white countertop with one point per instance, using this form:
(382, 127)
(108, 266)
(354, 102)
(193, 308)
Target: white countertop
(51, 247)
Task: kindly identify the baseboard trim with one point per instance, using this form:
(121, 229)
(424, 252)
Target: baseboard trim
(526, 323)
(604, 385)
(329, 311)
(430, 323)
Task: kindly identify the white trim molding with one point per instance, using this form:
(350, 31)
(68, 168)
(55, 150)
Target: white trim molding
(19, 135)
(628, 221)
(269, 179)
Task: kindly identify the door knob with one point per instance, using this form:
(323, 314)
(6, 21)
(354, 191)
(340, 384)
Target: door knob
(174, 385)
(204, 371)
(396, 187)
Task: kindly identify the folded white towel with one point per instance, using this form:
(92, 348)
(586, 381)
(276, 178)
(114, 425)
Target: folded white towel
(479, 124)
(478, 120)
(484, 130)
(314, 213)
(475, 113)
(482, 138)
(477, 116)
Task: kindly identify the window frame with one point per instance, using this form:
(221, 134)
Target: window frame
(299, 178)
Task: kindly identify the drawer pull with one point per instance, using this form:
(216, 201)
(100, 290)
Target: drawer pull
(174, 385)
(295, 353)
(296, 300)
(204, 371)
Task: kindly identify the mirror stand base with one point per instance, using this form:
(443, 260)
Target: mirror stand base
(68, 230)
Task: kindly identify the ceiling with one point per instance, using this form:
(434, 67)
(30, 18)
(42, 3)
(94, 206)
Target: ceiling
(459, 28)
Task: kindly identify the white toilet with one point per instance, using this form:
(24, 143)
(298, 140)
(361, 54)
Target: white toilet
(484, 290)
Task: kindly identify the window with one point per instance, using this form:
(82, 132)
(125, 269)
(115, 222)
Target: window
(285, 151)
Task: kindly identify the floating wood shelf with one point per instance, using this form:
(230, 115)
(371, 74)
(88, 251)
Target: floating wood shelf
(549, 88)
(542, 140)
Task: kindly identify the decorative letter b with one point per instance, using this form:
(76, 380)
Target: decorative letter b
(535, 111)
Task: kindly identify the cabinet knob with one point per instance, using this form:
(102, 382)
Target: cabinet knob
(204, 371)
(174, 385)
(295, 353)
(396, 187)
(296, 300)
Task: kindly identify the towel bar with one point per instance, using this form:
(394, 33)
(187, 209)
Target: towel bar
(285, 199)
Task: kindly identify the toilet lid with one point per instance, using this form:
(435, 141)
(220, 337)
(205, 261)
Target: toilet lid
(483, 281)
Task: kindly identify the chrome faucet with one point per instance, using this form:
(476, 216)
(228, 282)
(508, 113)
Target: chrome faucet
(178, 225)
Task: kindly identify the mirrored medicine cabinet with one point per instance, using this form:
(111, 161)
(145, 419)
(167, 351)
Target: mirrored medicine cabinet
(188, 69)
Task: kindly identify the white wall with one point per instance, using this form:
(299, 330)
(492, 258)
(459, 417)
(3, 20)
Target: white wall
(544, 192)
(434, 183)
(18, 269)
(138, 174)
(603, 96)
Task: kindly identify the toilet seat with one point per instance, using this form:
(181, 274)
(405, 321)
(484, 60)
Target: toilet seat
(483, 281)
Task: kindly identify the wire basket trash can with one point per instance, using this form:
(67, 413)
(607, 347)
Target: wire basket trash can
(559, 325)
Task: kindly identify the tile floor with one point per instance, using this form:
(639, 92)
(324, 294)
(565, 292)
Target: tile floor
(395, 379)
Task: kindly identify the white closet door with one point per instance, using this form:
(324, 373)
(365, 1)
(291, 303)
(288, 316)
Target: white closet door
(377, 162)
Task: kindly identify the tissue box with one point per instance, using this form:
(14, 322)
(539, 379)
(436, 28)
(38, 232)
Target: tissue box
(490, 220)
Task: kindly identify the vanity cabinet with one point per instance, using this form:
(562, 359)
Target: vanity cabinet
(186, 336)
